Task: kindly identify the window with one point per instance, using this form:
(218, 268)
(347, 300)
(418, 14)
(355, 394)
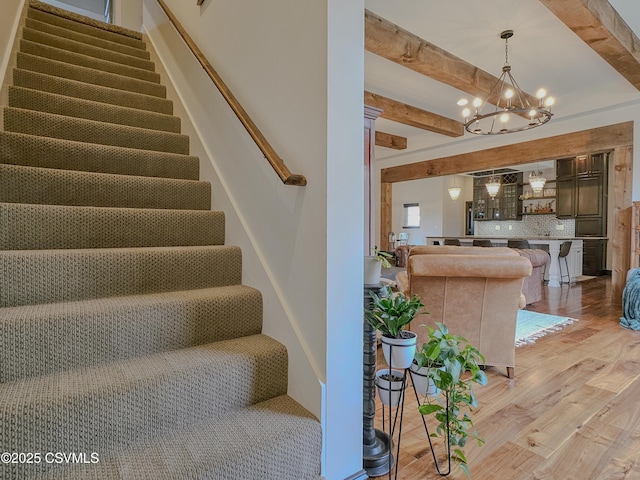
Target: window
(411, 215)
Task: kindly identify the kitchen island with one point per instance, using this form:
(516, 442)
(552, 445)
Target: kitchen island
(549, 244)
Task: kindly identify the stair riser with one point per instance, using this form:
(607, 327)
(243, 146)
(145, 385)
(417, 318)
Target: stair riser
(105, 330)
(58, 126)
(36, 277)
(79, 27)
(76, 59)
(133, 402)
(46, 186)
(88, 75)
(28, 150)
(69, 45)
(72, 107)
(39, 227)
(106, 95)
(87, 39)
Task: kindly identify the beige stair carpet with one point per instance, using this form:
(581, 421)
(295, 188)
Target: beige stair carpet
(126, 333)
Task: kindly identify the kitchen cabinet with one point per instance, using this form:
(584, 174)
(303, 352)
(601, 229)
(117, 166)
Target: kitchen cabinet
(594, 257)
(505, 206)
(581, 192)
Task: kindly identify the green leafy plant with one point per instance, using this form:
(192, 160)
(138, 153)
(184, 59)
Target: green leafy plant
(390, 314)
(382, 256)
(454, 366)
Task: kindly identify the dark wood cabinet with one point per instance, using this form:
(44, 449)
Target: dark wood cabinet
(594, 255)
(581, 192)
(505, 206)
(565, 197)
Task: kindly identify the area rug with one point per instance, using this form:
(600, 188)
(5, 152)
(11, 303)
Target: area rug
(533, 325)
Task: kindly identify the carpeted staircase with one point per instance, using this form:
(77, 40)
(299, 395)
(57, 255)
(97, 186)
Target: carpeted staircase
(126, 335)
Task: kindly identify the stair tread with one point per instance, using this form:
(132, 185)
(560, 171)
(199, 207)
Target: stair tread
(102, 330)
(77, 18)
(156, 393)
(83, 48)
(49, 152)
(246, 443)
(243, 444)
(37, 276)
(87, 61)
(102, 94)
(60, 104)
(77, 227)
(50, 186)
(78, 129)
(60, 69)
(85, 38)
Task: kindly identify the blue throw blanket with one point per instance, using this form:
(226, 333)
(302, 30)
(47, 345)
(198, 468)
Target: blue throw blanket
(631, 302)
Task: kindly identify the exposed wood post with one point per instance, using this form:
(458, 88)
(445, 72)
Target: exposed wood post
(621, 231)
(386, 200)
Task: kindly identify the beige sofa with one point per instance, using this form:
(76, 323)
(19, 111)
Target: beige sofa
(532, 287)
(475, 291)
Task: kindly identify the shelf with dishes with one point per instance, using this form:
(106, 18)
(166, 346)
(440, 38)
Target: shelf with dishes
(542, 203)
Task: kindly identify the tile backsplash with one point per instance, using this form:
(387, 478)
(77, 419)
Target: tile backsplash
(529, 226)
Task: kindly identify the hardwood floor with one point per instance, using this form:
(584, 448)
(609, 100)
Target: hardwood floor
(572, 411)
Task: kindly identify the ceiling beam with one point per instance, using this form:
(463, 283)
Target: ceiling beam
(560, 146)
(404, 48)
(414, 116)
(390, 141)
(598, 24)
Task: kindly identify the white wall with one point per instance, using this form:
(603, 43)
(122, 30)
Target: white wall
(10, 16)
(128, 13)
(293, 238)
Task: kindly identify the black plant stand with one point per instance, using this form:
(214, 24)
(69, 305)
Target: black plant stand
(377, 456)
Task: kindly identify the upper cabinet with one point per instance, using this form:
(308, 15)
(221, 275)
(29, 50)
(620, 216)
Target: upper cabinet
(505, 206)
(581, 192)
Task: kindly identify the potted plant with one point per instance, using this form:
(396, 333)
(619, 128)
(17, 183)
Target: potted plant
(453, 366)
(389, 314)
(390, 383)
(373, 266)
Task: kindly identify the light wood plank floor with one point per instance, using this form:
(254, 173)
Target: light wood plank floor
(572, 411)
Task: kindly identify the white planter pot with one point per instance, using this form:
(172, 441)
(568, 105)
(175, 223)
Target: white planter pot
(399, 352)
(421, 381)
(390, 391)
(372, 270)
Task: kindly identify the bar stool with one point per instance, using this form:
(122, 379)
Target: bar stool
(452, 241)
(482, 242)
(513, 243)
(565, 247)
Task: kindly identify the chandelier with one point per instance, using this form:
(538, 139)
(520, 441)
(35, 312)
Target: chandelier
(493, 186)
(454, 192)
(537, 181)
(514, 111)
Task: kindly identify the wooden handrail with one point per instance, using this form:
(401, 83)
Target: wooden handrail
(270, 154)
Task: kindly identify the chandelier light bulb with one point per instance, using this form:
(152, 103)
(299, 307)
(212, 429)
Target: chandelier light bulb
(509, 99)
(462, 102)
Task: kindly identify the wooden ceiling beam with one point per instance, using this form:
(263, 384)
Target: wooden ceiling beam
(566, 145)
(598, 24)
(392, 42)
(414, 116)
(390, 141)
